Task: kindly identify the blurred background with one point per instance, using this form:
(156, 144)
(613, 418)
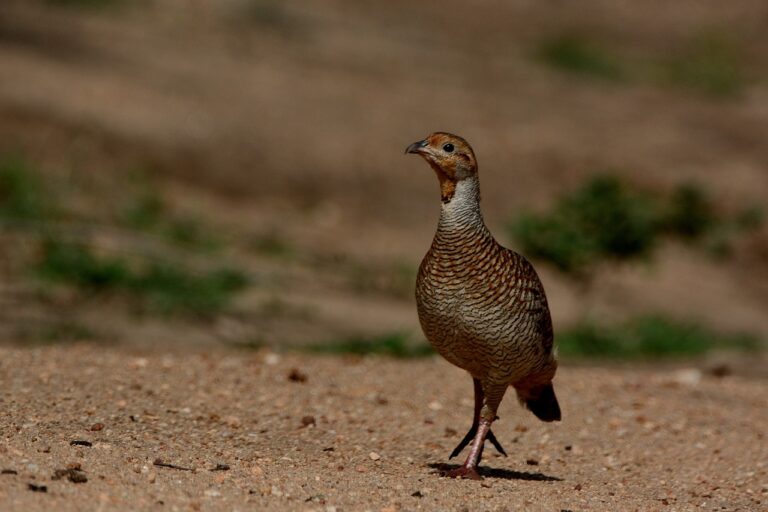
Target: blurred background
(231, 172)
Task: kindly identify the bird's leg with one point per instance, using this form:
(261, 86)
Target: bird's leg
(492, 395)
(479, 397)
(469, 468)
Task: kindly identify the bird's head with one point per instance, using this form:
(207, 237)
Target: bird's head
(450, 156)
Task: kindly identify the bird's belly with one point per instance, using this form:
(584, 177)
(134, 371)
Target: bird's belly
(483, 343)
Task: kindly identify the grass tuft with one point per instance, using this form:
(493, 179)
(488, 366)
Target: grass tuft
(148, 212)
(690, 214)
(574, 54)
(601, 220)
(162, 287)
(647, 337)
(711, 63)
(85, 4)
(392, 345)
(22, 195)
(606, 219)
(75, 263)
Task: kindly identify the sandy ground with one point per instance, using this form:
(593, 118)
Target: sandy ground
(292, 432)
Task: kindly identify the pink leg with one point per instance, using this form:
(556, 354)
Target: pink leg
(469, 468)
(479, 401)
(492, 393)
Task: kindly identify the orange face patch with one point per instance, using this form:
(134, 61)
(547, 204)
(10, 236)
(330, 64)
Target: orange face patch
(450, 156)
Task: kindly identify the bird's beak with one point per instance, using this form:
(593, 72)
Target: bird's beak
(418, 148)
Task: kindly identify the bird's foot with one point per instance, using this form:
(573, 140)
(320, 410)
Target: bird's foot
(471, 435)
(463, 472)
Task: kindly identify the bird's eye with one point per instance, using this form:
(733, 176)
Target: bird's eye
(448, 148)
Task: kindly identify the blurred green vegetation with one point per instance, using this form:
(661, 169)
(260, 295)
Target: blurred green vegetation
(602, 219)
(85, 4)
(159, 284)
(56, 331)
(708, 61)
(607, 219)
(395, 344)
(271, 244)
(648, 337)
(22, 196)
(148, 212)
(576, 54)
(265, 12)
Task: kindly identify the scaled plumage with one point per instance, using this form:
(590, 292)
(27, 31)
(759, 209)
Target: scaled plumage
(482, 306)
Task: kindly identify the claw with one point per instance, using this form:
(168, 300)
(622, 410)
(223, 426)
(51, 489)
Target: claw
(464, 442)
(463, 472)
(471, 435)
(495, 443)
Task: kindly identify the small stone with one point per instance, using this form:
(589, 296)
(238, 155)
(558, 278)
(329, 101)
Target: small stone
(74, 474)
(296, 375)
(97, 427)
(720, 370)
(374, 456)
(434, 406)
(271, 359)
(139, 362)
(233, 421)
(307, 421)
(688, 376)
(532, 462)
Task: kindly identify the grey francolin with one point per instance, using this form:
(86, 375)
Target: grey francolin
(482, 306)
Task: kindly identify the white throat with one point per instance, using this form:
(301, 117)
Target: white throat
(463, 209)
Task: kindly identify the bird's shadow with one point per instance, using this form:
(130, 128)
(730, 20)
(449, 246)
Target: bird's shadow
(502, 474)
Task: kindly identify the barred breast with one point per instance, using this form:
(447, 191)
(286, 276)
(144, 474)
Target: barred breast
(482, 306)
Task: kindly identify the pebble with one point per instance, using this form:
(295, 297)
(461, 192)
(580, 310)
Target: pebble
(687, 376)
(296, 375)
(271, 359)
(374, 456)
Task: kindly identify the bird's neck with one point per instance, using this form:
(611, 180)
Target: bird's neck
(461, 214)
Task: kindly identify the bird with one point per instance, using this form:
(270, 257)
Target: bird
(482, 306)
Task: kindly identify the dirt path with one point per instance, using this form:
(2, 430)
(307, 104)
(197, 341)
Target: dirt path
(292, 432)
